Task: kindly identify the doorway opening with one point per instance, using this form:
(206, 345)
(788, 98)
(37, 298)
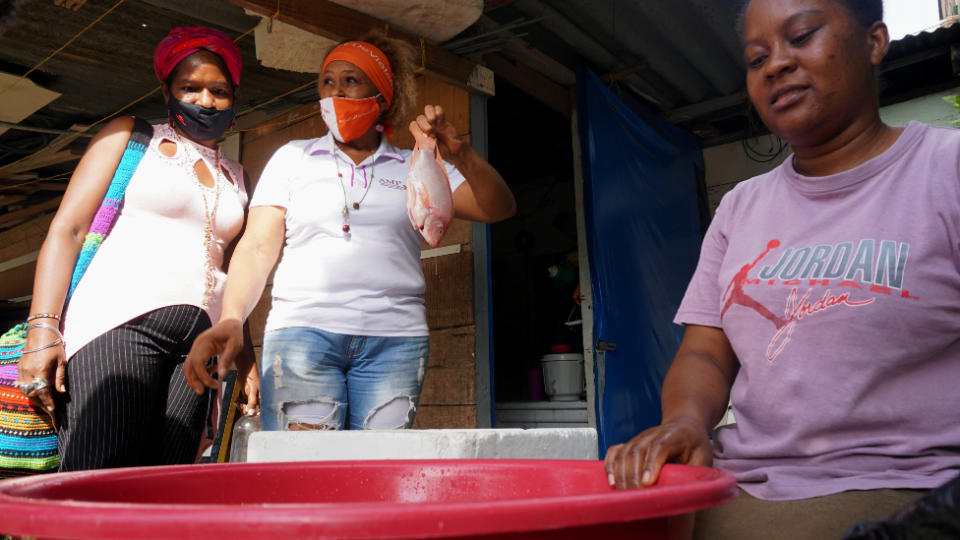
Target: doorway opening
(535, 270)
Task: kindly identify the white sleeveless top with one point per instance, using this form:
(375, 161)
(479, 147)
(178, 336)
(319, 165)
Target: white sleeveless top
(155, 255)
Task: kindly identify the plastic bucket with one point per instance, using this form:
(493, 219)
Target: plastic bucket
(563, 376)
(359, 499)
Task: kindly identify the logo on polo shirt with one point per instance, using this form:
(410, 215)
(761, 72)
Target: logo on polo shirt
(393, 184)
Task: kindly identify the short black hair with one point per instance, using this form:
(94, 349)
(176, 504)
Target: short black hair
(865, 12)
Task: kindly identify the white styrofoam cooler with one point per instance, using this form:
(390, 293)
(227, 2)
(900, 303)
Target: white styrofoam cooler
(551, 443)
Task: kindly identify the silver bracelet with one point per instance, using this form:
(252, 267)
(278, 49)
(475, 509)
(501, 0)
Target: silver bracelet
(46, 326)
(53, 343)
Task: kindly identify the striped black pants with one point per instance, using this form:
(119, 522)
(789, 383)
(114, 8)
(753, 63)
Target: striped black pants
(127, 402)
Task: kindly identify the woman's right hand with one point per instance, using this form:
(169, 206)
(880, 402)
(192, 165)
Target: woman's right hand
(695, 395)
(637, 463)
(49, 364)
(223, 339)
(250, 397)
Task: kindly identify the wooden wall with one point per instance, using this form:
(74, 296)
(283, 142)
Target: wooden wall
(448, 399)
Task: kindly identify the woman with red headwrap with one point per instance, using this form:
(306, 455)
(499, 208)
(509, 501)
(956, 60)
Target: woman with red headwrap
(114, 380)
(346, 339)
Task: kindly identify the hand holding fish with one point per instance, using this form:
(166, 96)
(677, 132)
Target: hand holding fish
(434, 124)
(484, 197)
(429, 199)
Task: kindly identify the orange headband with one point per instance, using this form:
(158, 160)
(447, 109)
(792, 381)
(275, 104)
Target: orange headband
(370, 60)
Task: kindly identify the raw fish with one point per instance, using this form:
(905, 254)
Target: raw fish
(429, 199)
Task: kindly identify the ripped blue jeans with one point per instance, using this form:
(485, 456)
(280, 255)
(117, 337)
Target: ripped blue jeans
(313, 379)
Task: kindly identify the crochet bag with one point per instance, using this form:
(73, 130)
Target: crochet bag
(28, 441)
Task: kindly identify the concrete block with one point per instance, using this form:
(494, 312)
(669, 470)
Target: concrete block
(551, 443)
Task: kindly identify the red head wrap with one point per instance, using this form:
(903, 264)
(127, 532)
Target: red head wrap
(183, 41)
(370, 60)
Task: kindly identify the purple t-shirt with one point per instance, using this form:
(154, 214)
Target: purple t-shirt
(841, 298)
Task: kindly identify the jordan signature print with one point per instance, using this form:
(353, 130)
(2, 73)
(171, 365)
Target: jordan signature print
(849, 275)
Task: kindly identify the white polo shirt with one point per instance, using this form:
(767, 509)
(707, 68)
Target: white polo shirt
(367, 281)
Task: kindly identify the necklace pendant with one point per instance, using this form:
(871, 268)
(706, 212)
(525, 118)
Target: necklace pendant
(356, 206)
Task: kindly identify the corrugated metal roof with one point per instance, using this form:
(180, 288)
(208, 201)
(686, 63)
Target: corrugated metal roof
(920, 64)
(683, 57)
(920, 41)
(672, 54)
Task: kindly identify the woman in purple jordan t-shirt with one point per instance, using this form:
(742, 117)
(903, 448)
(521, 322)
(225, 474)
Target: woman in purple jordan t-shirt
(826, 303)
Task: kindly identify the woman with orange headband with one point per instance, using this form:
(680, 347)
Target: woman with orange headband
(346, 339)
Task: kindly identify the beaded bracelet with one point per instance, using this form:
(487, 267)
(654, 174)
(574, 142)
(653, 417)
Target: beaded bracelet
(35, 316)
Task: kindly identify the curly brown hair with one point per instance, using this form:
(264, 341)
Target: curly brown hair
(402, 58)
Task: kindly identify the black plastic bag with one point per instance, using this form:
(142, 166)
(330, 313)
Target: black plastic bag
(934, 516)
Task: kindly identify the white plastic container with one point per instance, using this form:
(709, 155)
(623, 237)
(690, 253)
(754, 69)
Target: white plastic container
(563, 376)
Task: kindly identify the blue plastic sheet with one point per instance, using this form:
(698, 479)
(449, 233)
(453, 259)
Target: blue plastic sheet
(643, 229)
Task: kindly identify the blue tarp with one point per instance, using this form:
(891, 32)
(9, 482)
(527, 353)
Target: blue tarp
(643, 229)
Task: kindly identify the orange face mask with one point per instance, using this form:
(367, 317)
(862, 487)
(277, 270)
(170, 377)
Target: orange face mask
(347, 118)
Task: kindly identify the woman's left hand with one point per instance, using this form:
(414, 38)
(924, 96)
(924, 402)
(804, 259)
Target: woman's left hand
(484, 197)
(434, 124)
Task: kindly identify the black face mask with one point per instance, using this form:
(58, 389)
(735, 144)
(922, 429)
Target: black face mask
(199, 123)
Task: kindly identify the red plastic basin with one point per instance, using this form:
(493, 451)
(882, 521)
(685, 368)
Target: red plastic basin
(359, 499)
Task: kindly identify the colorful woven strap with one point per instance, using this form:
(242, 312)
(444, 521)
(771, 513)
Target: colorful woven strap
(15, 336)
(103, 220)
